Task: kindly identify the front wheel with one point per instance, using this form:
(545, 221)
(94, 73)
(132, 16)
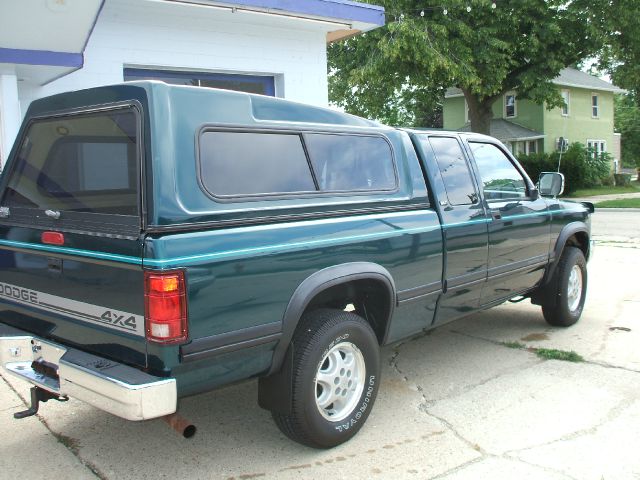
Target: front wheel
(336, 369)
(568, 294)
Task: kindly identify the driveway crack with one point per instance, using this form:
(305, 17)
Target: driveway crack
(68, 442)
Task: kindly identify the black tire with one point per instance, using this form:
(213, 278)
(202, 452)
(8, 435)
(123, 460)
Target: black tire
(320, 332)
(556, 308)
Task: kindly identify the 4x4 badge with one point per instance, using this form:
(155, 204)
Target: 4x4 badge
(118, 319)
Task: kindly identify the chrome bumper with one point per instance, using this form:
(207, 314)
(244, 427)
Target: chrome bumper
(110, 386)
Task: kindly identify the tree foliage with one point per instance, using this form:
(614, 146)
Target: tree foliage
(627, 122)
(621, 53)
(400, 71)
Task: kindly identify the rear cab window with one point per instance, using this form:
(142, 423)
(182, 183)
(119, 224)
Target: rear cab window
(83, 169)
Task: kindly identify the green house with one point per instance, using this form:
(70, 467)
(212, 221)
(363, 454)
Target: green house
(527, 127)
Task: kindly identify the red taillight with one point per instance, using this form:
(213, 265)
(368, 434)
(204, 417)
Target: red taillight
(165, 302)
(52, 238)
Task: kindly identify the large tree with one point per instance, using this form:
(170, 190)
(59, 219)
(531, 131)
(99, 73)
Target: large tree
(627, 122)
(621, 53)
(398, 72)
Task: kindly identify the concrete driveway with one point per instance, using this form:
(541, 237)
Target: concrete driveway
(454, 404)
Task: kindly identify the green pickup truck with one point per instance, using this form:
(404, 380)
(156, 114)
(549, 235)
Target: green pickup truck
(160, 241)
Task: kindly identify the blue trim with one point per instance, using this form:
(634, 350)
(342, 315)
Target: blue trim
(337, 9)
(41, 57)
(268, 82)
(182, 261)
(178, 261)
(73, 251)
(490, 220)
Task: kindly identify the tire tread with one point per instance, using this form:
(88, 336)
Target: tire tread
(553, 309)
(314, 325)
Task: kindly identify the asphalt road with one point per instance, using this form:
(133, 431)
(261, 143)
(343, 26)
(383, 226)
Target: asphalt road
(454, 404)
(618, 225)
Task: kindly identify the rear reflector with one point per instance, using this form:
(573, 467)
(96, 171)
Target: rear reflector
(165, 302)
(52, 238)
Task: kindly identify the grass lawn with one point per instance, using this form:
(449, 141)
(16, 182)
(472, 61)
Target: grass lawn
(623, 203)
(605, 190)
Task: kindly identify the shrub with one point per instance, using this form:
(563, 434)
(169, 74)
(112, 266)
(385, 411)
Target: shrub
(622, 179)
(608, 181)
(580, 167)
(536, 163)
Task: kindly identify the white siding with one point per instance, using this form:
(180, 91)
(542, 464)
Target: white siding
(186, 37)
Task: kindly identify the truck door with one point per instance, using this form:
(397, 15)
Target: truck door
(464, 224)
(519, 225)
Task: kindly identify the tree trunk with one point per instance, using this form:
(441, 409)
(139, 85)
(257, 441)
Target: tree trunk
(480, 112)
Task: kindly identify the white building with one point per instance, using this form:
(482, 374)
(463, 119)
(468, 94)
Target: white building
(273, 47)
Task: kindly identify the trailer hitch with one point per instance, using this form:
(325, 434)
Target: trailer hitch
(39, 395)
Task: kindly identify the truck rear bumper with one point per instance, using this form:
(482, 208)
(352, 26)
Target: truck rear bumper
(110, 386)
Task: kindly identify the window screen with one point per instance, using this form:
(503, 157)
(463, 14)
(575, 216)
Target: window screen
(454, 169)
(242, 163)
(500, 178)
(80, 163)
(351, 162)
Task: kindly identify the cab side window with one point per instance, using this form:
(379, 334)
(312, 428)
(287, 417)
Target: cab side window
(500, 178)
(454, 170)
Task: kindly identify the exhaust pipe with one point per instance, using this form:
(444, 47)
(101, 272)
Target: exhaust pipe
(180, 424)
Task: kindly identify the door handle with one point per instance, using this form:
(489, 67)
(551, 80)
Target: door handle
(496, 214)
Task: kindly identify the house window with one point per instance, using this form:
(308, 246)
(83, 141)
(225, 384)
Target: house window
(565, 106)
(595, 113)
(532, 147)
(596, 147)
(262, 84)
(510, 105)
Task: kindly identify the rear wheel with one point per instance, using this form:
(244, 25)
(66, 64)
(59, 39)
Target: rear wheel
(336, 368)
(567, 294)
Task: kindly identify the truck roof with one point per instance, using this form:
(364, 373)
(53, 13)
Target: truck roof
(247, 107)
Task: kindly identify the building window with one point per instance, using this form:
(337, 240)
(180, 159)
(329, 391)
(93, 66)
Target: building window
(596, 147)
(565, 106)
(510, 105)
(595, 113)
(532, 147)
(261, 84)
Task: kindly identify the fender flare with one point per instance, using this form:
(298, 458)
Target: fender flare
(275, 388)
(315, 284)
(567, 232)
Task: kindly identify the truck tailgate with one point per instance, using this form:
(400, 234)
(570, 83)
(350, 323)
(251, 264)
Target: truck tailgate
(70, 233)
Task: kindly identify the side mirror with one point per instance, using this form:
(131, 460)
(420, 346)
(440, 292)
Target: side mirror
(551, 184)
